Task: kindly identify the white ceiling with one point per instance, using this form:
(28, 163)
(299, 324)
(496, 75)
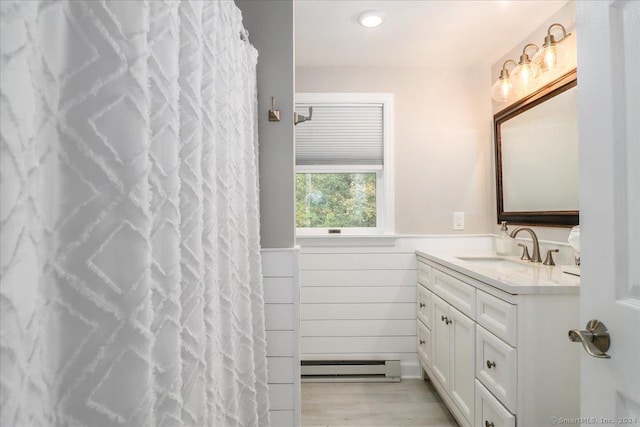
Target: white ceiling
(418, 33)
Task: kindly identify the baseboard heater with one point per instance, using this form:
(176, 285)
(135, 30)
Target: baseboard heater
(350, 370)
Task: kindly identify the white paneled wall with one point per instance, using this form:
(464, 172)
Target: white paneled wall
(359, 303)
(280, 271)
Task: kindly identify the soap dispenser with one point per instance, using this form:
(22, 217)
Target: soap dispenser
(504, 242)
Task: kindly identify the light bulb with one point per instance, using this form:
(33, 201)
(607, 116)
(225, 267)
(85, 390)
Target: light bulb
(548, 59)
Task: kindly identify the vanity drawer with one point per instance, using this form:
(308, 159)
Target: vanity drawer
(423, 342)
(497, 316)
(459, 294)
(424, 275)
(424, 305)
(489, 412)
(496, 367)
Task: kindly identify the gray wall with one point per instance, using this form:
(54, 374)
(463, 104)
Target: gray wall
(271, 31)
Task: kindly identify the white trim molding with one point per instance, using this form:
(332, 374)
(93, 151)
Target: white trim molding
(385, 177)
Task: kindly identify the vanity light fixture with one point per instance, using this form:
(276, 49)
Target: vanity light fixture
(370, 18)
(531, 72)
(525, 73)
(502, 89)
(547, 57)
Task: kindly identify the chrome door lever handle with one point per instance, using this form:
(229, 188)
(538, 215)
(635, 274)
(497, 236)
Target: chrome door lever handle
(595, 339)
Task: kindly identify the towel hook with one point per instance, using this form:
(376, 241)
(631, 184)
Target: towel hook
(274, 115)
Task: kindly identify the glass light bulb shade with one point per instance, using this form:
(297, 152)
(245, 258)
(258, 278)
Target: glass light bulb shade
(502, 90)
(524, 77)
(548, 59)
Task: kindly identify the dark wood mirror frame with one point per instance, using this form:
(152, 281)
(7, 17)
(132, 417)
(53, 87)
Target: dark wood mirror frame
(543, 218)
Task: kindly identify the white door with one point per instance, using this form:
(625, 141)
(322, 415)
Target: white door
(609, 127)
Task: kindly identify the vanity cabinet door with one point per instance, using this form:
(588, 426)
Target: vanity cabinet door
(453, 354)
(462, 358)
(440, 333)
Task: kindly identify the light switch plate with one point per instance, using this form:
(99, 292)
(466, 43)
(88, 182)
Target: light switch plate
(458, 220)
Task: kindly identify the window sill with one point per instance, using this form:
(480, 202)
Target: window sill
(320, 240)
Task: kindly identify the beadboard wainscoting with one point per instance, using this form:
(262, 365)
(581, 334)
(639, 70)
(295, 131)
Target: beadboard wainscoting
(358, 296)
(281, 272)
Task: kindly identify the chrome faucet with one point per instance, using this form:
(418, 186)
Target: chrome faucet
(535, 256)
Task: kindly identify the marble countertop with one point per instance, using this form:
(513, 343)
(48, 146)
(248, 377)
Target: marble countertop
(514, 276)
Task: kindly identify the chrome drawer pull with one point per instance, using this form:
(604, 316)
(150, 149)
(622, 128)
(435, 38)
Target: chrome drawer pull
(490, 364)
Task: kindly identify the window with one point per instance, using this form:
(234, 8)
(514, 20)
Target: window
(344, 164)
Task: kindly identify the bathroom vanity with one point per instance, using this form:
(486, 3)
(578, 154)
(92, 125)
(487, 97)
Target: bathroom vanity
(492, 337)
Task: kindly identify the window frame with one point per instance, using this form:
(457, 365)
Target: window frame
(385, 210)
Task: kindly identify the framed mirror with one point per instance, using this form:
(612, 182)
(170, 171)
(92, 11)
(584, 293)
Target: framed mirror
(536, 143)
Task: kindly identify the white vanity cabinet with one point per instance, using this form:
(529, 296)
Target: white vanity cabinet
(497, 358)
(452, 340)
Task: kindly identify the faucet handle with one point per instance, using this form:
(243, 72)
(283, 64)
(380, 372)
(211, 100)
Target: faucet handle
(549, 259)
(525, 252)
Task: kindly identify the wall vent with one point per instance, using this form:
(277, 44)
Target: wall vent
(350, 370)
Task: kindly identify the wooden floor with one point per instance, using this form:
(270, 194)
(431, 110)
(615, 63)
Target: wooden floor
(412, 402)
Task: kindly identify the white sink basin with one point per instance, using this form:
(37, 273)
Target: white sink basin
(496, 263)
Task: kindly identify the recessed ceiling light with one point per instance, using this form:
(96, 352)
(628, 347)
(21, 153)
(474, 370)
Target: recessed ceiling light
(370, 18)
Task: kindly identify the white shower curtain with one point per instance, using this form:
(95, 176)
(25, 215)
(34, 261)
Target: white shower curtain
(131, 289)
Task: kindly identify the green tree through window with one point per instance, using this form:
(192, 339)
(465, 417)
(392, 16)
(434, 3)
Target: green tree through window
(335, 200)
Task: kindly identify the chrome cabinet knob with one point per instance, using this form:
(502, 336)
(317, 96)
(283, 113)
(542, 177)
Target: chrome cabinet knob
(595, 339)
(443, 318)
(422, 342)
(490, 364)
(422, 305)
(488, 424)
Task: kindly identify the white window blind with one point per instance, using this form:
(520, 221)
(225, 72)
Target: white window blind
(342, 134)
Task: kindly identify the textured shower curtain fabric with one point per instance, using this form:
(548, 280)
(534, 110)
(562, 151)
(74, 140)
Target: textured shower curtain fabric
(131, 289)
